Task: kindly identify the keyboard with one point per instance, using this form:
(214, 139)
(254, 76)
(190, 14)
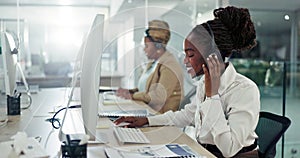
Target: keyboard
(112, 99)
(130, 135)
(111, 96)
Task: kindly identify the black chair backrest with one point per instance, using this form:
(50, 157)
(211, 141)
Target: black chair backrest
(269, 130)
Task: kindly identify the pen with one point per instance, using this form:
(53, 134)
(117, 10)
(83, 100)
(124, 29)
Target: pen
(68, 139)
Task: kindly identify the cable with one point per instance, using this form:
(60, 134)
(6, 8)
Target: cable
(61, 134)
(26, 87)
(30, 101)
(46, 141)
(54, 120)
(3, 123)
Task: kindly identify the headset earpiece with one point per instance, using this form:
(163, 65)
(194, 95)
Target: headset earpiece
(158, 45)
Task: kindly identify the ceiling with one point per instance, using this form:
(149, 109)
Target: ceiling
(287, 5)
(266, 13)
(269, 15)
(102, 3)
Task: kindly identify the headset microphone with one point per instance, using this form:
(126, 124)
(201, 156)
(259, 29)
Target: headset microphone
(14, 51)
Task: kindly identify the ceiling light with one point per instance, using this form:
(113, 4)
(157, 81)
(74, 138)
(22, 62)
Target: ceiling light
(258, 23)
(286, 17)
(129, 1)
(199, 15)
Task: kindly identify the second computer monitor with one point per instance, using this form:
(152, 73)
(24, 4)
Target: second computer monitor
(9, 55)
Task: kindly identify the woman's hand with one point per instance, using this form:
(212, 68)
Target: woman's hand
(134, 121)
(213, 75)
(124, 93)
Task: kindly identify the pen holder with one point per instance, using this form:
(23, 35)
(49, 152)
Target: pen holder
(74, 150)
(13, 105)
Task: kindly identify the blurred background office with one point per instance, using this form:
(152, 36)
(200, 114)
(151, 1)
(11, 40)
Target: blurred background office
(49, 35)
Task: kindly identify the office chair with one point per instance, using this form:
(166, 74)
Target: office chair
(270, 128)
(187, 98)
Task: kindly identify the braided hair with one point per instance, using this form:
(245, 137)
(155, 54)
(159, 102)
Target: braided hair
(232, 30)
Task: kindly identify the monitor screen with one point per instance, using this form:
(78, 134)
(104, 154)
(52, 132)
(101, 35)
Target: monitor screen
(9, 56)
(90, 75)
(87, 68)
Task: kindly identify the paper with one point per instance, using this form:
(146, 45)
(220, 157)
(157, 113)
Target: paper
(169, 150)
(33, 149)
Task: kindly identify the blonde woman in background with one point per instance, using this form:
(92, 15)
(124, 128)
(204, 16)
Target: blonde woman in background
(161, 84)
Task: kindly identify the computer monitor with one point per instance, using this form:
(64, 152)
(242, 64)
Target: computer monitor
(90, 54)
(90, 76)
(9, 55)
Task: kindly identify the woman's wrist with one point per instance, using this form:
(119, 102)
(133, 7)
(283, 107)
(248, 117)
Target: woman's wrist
(133, 90)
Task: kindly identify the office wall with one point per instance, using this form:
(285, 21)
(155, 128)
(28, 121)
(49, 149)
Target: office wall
(54, 33)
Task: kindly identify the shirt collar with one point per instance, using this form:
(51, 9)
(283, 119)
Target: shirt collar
(227, 78)
(163, 57)
(197, 80)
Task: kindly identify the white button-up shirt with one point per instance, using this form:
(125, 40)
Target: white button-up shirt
(227, 120)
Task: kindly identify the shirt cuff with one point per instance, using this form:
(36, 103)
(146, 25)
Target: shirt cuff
(159, 120)
(214, 97)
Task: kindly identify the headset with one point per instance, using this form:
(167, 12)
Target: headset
(210, 32)
(212, 43)
(157, 44)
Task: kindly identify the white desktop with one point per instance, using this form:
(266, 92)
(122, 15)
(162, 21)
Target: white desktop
(9, 56)
(89, 72)
(10, 66)
(90, 76)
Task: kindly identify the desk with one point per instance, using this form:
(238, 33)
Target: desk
(62, 81)
(32, 121)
